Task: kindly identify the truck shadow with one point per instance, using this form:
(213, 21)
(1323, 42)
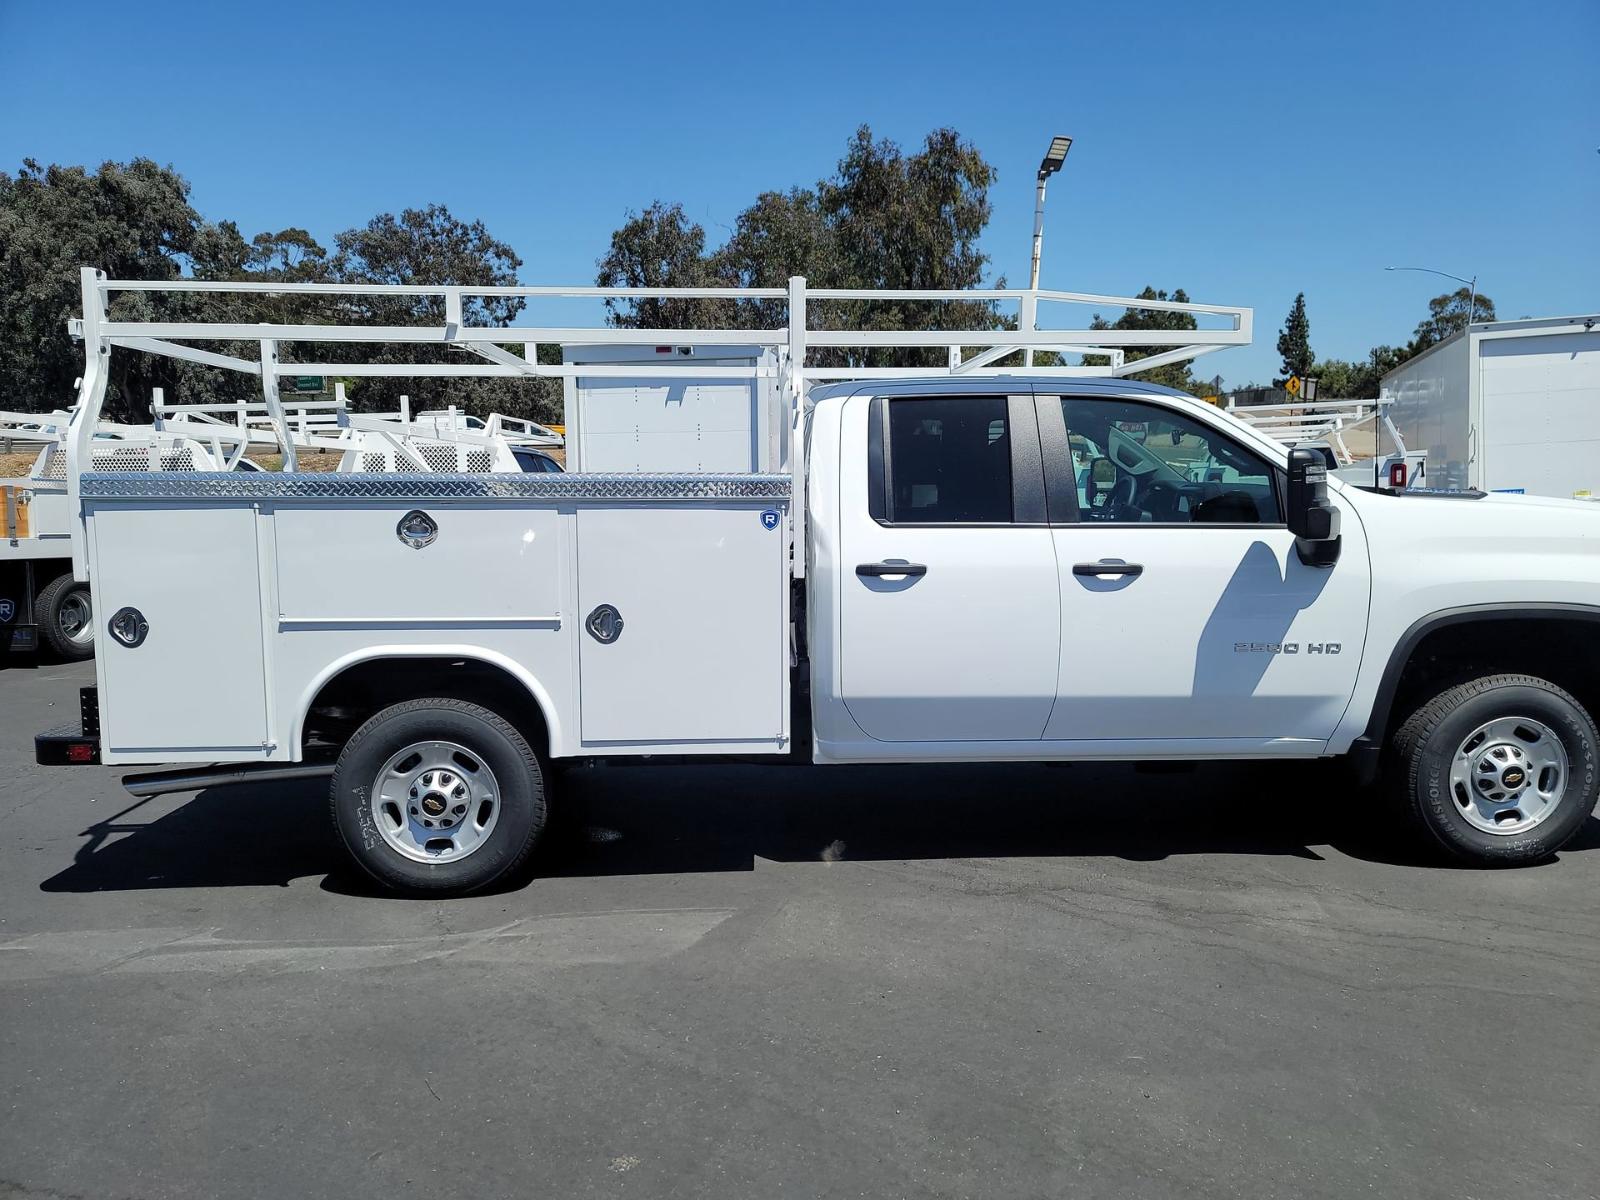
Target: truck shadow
(251, 835)
(717, 818)
(707, 818)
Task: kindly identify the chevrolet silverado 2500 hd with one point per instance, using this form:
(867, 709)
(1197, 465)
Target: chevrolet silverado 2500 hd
(963, 566)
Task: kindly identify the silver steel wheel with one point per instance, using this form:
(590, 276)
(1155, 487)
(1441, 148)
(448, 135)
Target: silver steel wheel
(1508, 775)
(435, 802)
(75, 617)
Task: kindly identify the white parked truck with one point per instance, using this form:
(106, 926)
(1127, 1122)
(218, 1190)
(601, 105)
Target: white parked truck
(960, 564)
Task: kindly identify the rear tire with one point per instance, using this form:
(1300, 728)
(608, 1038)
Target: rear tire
(65, 615)
(438, 797)
(1499, 771)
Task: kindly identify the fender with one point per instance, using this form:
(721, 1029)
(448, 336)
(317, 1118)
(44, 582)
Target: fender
(1366, 748)
(511, 667)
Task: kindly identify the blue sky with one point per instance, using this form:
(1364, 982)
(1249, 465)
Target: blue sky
(1243, 151)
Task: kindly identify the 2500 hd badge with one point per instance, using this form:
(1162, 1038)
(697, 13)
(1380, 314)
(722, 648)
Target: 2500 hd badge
(1286, 647)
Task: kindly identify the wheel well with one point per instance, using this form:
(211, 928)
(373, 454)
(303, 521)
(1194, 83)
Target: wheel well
(346, 701)
(1561, 649)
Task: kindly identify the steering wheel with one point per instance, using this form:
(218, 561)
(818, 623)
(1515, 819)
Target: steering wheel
(1118, 496)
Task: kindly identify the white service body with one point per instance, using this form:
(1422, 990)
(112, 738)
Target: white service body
(302, 577)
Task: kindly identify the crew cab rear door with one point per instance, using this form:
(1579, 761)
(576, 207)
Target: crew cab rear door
(949, 610)
(1188, 618)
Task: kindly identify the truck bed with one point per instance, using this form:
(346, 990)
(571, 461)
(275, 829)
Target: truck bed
(258, 590)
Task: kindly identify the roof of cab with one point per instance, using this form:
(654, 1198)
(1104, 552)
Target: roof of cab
(1092, 385)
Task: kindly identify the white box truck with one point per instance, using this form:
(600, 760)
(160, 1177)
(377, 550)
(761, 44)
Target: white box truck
(958, 565)
(1506, 406)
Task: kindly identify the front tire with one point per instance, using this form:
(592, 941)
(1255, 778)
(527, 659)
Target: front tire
(66, 617)
(438, 796)
(1499, 771)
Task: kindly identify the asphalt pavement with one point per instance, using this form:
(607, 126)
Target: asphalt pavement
(757, 982)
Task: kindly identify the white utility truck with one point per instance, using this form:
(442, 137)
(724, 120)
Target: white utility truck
(959, 564)
(38, 594)
(41, 603)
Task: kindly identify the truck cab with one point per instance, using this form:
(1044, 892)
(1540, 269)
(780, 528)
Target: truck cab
(1023, 568)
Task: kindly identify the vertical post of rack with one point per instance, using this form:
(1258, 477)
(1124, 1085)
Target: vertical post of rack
(797, 404)
(79, 439)
(269, 391)
(1028, 318)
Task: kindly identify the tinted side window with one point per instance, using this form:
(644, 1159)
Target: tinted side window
(949, 461)
(1136, 463)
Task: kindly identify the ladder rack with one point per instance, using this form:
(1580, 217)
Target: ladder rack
(1324, 420)
(483, 354)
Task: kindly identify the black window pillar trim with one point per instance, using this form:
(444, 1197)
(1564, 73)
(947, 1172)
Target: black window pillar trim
(1028, 491)
(878, 481)
(1061, 486)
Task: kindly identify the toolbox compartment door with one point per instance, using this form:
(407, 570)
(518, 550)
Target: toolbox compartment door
(195, 686)
(702, 652)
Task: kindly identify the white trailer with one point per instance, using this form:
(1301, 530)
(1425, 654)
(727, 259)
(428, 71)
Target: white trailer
(1506, 406)
(966, 565)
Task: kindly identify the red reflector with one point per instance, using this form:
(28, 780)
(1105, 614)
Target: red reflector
(1397, 475)
(663, 349)
(80, 752)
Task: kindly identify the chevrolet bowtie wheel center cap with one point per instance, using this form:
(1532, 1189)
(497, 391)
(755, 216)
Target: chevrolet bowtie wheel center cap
(439, 799)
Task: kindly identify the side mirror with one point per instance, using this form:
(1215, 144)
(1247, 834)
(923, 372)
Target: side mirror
(1311, 517)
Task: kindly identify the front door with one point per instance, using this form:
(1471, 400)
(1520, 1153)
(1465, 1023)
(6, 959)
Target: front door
(950, 618)
(1187, 614)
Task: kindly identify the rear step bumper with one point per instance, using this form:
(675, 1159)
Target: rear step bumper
(79, 745)
(22, 638)
(192, 779)
(76, 745)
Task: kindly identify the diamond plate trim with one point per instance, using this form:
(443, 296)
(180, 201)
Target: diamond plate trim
(230, 485)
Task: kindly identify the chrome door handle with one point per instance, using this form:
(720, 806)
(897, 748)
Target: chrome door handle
(1108, 566)
(878, 570)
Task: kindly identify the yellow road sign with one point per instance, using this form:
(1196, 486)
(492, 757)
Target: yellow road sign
(1292, 385)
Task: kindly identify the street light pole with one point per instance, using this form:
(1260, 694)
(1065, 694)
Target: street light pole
(1472, 287)
(1038, 229)
(1051, 163)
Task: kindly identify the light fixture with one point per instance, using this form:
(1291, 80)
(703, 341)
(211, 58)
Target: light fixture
(1055, 156)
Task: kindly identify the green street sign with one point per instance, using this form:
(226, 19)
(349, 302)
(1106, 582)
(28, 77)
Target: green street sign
(307, 383)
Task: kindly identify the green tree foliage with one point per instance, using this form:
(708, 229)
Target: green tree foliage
(660, 247)
(1447, 314)
(132, 220)
(429, 245)
(884, 219)
(1294, 341)
(1174, 375)
(1340, 380)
